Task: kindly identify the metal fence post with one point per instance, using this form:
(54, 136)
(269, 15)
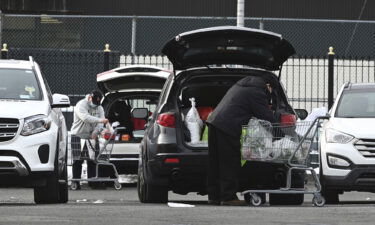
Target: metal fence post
(261, 24)
(1, 26)
(331, 57)
(106, 57)
(4, 51)
(134, 38)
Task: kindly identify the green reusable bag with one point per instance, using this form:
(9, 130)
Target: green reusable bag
(205, 133)
(243, 135)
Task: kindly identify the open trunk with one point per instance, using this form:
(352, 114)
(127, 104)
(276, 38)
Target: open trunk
(120, 108)
(208, 89)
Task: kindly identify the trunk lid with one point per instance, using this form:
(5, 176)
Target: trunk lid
(228, 45)
(132, 78)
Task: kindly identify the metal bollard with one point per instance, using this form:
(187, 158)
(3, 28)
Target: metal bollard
(106, 57)
(331, 56)
(4, 51)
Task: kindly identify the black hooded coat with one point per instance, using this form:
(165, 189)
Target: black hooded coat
(248, 98)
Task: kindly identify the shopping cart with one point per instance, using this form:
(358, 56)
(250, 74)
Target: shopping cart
(288, 144)
(102, 150)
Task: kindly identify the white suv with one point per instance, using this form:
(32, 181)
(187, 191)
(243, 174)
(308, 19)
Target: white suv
(348, 143)
(32, 133)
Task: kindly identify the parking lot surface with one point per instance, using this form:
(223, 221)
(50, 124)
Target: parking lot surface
(112, 206)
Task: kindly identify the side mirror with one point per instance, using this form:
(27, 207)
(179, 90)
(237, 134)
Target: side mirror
(60, 101)
(301, 113)
(140, 113)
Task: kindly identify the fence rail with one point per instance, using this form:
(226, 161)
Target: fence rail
(305, 79)
(69, 48)
(146, 34)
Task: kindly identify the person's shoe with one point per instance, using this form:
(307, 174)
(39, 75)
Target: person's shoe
(234, 202)
(213, 202)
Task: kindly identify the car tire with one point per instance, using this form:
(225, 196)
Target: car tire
(63, 186)
(50, 193)
(286, 199)
(54, 191)
(150, 193)
(331, 196)
(298, 181)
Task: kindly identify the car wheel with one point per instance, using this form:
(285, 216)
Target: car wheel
(298, 181)
(331, 196)
(63, 186)
(53, 191)
(49, 193)
(150, 193)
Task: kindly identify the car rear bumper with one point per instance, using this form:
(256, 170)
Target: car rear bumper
(184, 168)
(190, 173)
(125, 163)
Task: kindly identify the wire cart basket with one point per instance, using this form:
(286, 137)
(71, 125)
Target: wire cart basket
(102, 154)
(289, 144)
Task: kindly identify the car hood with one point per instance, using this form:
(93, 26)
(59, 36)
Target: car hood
(228, 45)
(22, 109)
(357, 127)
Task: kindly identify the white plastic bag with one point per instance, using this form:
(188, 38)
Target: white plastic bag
(284, 148)
(257, 143)
(315, 113)
(194, 122)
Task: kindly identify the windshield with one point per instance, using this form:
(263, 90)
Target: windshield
(19, 84)
(357, 104)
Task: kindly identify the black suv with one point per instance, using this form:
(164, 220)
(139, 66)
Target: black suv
(207, 62)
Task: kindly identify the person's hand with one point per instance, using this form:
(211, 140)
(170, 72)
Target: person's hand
(105, 121)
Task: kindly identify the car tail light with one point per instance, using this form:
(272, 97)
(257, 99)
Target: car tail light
(108, 135)
(125, 137)
(288, 119)
(166, 120)
(171, 160)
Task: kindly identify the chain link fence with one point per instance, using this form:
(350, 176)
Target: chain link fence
(147, 35)
(69, 49)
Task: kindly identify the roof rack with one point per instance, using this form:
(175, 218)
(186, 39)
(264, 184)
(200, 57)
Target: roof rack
(347, 84)
(31, 60)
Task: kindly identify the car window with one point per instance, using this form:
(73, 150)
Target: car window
(19, 84)
(357, 104)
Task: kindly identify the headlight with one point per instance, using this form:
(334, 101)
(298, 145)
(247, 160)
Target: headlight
(35, 124)
(334, 136)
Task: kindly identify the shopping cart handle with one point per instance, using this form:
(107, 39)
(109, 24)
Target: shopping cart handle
(324, 117)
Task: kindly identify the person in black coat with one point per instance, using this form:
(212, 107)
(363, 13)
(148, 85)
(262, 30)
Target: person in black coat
(121, 112)
(249, 97)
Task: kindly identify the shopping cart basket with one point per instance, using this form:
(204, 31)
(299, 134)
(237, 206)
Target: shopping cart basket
(289, 144)
(102, 154)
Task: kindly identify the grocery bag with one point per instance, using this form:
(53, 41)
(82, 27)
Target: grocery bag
(194, 122)
(257, 140)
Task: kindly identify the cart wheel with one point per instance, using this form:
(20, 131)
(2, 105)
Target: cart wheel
(256, 200)
(117, 185)
(74, 186)
(319, 201)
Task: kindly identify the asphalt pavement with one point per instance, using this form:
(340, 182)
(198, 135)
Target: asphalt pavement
(112, 206)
